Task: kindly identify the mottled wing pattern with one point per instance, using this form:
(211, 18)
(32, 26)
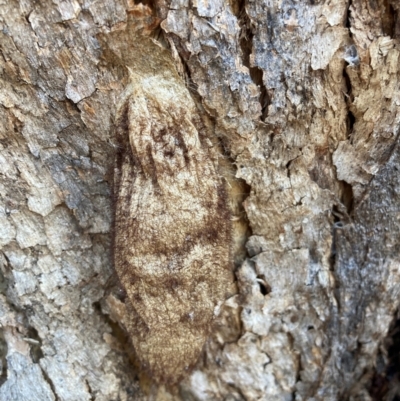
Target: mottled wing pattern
(172, 225)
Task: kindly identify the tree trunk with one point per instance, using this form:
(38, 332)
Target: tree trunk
(302, 102)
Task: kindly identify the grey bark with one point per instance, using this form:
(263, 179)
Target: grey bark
(305, 100)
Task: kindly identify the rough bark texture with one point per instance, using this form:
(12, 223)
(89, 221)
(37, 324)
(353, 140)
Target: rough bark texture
(304, 98)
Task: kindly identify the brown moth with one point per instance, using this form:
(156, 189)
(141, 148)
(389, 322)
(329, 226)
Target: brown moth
(172, 223)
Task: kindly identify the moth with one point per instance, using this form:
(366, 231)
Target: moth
(172, 222)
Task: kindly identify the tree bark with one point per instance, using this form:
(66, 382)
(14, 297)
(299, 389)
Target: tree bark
(302, 98)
